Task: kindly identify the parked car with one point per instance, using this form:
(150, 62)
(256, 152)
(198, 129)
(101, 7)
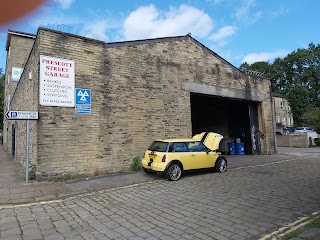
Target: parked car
(287, 130)
(172, 157)
(303, 129)
(312, 135)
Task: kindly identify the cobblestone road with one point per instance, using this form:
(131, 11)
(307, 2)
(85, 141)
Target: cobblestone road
(243, 203)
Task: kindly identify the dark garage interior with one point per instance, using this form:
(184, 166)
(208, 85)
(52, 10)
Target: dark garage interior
(229, 117)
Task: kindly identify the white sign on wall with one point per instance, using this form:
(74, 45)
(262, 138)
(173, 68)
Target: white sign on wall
(22, 115)
(57, 81)
(16, 74)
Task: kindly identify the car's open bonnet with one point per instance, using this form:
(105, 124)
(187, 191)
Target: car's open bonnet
(210, 139)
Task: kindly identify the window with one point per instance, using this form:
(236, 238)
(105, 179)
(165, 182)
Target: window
(281, 105)
(196, 147)
(178, 147)
(158, 146)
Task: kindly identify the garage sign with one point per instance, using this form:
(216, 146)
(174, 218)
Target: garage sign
(57, 81)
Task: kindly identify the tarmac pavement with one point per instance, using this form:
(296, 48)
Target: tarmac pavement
(260, 197)
(312, 151)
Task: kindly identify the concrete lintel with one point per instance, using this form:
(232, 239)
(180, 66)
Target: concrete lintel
(223, 92)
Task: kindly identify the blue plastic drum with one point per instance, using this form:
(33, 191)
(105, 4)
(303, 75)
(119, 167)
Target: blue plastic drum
(239, 148)
(232, 148)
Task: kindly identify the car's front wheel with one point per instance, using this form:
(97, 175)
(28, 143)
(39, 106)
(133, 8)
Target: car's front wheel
(174, 172)
(221, 165)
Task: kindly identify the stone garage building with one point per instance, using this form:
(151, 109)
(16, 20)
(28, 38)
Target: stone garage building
(140, 90)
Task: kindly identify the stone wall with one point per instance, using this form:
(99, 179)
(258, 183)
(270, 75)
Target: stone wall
(293, 140)
(137, 96)
(19, 47)
(25, 98)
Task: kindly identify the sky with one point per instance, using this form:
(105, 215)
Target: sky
(238, 30)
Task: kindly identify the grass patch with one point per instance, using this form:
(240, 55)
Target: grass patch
(135, 165)
(293, 234)
(314, 223)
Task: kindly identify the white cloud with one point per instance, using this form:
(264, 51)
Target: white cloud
(244, 13)
(280, 12)
(226, 54)
(94, 24)
(96, 30)
(223, 33)
(65, 4)
(220, 37)
(148, 22)
(57, 19)
(264, 56)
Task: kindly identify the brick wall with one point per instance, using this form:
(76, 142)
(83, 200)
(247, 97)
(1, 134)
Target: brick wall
(20, 46)
(293, 140)
(25, 98)
(137, 96)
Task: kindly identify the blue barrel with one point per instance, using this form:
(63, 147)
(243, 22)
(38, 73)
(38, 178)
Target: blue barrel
(232, 149)
(239, 148)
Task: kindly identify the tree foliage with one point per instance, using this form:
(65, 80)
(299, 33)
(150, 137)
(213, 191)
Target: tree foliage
(297, 77)
(298, 97)
(1, 98)
(311, 118)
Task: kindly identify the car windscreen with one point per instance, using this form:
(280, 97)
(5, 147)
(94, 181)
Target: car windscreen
(158, 146)
(300, 128)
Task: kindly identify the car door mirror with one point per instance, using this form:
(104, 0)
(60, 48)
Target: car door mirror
(208, 150)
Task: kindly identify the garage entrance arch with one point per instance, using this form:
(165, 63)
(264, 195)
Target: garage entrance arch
(232, 118)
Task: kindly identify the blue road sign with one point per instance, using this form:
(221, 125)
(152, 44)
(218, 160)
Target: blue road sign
(83, 96)
(83, 101)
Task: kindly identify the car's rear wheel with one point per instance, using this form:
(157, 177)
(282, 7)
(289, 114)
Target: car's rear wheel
(174, 172)
(221, 165)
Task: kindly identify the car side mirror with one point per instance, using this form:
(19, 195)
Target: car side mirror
(208, 150)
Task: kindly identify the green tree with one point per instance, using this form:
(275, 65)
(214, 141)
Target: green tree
(1, 98)
(297, 77)
(298, 97)
(311, 118)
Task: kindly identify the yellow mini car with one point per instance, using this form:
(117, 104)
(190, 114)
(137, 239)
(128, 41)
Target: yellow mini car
(173, 156)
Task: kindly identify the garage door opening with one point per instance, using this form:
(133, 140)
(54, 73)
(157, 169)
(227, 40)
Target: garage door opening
(231, 118)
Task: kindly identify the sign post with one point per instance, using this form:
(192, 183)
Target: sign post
(24, 115)
(27, 150)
